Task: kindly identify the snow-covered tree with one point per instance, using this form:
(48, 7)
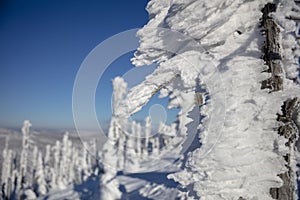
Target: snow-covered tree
(110, 150)
(25, 151)
(138, 140)
(71, 164)
(5, 165)
(214, 48)
(52, 182)
(15, 184)
(47, 154)
(167, 133)
(39, 176)
(34, 156)
(63, 165)
(231, 67)
(84, 162)
(147, 134)
(56, 168)
(118, 120)
(65, 159)
(6, 178)
(121, 150)
(155, 146)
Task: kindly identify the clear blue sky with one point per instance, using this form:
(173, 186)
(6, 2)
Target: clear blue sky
(43, 43)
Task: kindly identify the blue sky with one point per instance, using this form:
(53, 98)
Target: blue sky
(43, 43)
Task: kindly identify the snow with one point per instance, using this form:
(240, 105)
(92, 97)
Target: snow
(237, 134)
(289, 32)
(155, 191)
(224, 144)
(57, 175)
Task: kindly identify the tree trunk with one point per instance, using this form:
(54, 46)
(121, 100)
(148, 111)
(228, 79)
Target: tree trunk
(288, 129)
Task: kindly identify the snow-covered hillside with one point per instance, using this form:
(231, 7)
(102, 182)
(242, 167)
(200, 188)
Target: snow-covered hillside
(231, 67)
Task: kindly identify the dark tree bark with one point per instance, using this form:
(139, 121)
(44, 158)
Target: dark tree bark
(288, 128)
